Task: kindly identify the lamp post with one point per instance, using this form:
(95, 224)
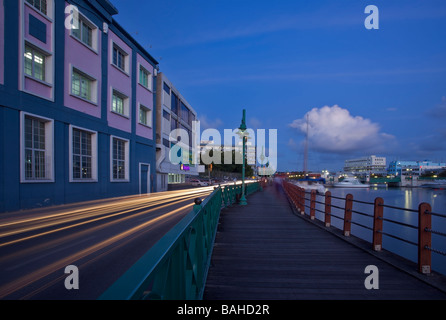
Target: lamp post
(242, 129)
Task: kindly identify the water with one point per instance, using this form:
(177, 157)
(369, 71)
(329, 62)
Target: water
(398, 197)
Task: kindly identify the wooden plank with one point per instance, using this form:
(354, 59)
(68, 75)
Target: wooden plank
(264, 251)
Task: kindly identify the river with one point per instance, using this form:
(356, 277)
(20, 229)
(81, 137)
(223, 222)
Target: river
(398, 197)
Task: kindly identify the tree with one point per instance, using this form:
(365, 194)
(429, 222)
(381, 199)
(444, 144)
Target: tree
(232, 166)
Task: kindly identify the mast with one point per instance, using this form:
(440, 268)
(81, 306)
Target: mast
(306, 150)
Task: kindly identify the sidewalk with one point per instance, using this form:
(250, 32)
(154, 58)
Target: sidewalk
(264, 251)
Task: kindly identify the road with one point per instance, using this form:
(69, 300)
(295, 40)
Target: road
(101, 238)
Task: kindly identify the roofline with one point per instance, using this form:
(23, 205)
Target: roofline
(136, 43)
(108, 6)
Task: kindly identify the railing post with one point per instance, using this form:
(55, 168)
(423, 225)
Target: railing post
(197, 205)
(327, 209)
(302, 200)
(348, 214)
(424, 238)
(378, 224)
(295, 192)
(312, 204)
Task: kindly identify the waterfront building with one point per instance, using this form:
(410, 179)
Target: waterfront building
(366, 165)
(76, 105)
(404, 167)
(174, 112)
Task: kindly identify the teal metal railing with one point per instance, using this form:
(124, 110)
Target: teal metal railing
(176, 267)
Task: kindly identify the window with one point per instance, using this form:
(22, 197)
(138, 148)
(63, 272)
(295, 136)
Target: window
(34, 63)
(84, 33)
(174, 104)
(37, 148)
(191, 118)
(184, 113)
(166, 143)
(166, 88)
(145, 116)
(145, 78)
(119, 103)
(166, 115)
(83, 86)
(120, 155)
(40, 5)
(83, 155)
(173, 124)
(34, 148)
(119, 58)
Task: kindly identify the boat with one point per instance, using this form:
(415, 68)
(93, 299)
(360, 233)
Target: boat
(349, 182)
(434, 185)
(311, 184)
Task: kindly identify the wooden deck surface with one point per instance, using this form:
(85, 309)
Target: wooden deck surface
(264, 251)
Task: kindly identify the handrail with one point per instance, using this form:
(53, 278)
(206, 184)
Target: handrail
(176, 267)
(297, 196)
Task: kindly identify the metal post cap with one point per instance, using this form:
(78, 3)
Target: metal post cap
(197, 201)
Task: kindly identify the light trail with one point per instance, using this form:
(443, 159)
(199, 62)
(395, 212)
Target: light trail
(98, 228)
(103, 227)
(30, 278)
(106, 212)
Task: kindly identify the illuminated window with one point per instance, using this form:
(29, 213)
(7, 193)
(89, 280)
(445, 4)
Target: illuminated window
(34, 63)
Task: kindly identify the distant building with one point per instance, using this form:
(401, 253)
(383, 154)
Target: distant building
(403, 167)
(173, 112)
(366, 165)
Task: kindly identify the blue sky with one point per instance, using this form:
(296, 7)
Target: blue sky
(366, 92)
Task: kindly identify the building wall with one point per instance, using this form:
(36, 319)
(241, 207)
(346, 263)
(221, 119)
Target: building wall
(62, 112)
(87, 60)
(2, 42)
(399, 167)
(122, 82)
(144, 97)
(168, 171)
(36, 30)
(370, 164)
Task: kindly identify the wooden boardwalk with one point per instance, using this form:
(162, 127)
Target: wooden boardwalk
(264, 251)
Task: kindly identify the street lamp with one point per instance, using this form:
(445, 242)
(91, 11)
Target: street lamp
(242, 129)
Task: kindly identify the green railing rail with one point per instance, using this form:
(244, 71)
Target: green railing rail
(176, 267)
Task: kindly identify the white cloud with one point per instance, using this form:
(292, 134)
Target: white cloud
(254, 123)
(209, 124)
(334, 129)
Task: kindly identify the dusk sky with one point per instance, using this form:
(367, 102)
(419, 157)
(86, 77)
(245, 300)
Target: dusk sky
(379, 91)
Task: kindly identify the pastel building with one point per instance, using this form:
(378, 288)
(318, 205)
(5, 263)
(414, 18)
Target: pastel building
(366, 165)
(76, 105)
(174, 112)
(409, 167)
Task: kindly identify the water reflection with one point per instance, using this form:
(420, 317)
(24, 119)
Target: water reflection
(408, 198)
